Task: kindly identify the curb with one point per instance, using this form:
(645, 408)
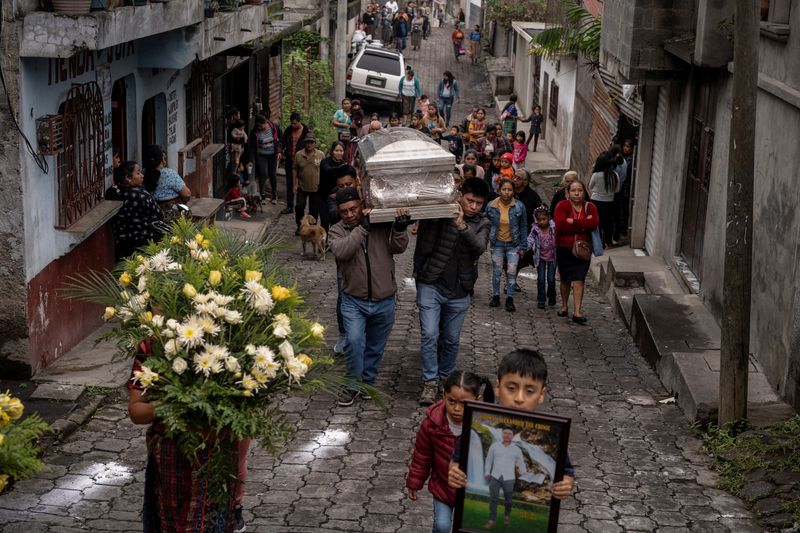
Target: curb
(64, 427)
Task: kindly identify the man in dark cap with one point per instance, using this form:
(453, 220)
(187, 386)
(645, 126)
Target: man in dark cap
(306, 179)
(364, 253)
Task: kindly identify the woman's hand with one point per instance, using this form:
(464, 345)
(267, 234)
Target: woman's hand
(563, 488)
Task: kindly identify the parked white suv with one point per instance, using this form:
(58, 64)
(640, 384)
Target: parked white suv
(376, 73)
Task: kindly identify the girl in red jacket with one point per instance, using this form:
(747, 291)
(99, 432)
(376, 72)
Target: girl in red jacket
(436, 439)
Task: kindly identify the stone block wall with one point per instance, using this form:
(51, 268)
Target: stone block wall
(634, 31)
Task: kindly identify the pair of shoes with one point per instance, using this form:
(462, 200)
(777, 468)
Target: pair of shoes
(274, 201)
(244, 214)
(510, 305)
(287, 211)
(297, 231)
(551, 302)
(347, 397)
(507, 520)
(495, 301)
(238, 521)
(429, 391)
(579, 319)
(517, 288)
(541, 305)
(563, 313)
(489, 524)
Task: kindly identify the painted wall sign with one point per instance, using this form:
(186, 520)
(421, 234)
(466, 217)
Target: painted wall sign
(60, 70)
(172, 117)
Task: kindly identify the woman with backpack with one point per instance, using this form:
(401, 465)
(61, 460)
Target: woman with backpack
(447, 93)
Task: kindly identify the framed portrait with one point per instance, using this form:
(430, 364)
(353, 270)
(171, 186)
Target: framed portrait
(511, 459)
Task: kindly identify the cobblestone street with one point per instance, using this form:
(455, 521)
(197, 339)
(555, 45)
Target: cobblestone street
(639, 466)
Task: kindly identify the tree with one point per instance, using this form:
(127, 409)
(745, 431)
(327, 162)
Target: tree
(580, 35)
(504, 12)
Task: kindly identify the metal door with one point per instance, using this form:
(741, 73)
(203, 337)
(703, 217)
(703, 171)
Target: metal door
(656, 170)
(698, 173)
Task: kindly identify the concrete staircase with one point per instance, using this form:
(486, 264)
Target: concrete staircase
(678, 336)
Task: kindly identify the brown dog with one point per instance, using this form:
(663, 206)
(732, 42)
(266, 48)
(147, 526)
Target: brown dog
(253, 203)
(312, 233)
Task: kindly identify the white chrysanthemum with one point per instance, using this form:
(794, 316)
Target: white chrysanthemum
(217, 352)
(263, 304)
(201, 298)
(203, 363)
(192, 245)
(216, 367)
(270, 370)
(160, 262)
(201, 255)
(179, 365)
(190, 333)
(282, 326)
(281, 332)
(208, 325)
(232, 365)
(124, 314)
(141, 286)
(296, 368)
(145, 377)
(248, 383)
(232, 316)
(286, 350)
(222, 300)
(263, 356)
(141, 269)
(317, 330)
(171, 348)
(138, 303)
(207, 308)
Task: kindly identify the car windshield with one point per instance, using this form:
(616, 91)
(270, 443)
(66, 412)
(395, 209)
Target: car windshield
(380, 63)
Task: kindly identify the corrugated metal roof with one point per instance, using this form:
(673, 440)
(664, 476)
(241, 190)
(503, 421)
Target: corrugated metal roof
(631, 107)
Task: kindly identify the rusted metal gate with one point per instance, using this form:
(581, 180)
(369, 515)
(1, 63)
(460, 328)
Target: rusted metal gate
(605, 117)
(698, 172)
(81, 162)
(199, 89)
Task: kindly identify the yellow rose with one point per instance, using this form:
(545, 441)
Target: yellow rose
(280, 293)
(214, 277)
(252, 275)
(3, 482)
(317, 330)
(198, 238)
(306, 360)
(247, 393)
(146, 317)
(175, 239)
(189, 291)
(205, 243)
(2, 438)
(109, 314)
(125, 279)
(14, 408)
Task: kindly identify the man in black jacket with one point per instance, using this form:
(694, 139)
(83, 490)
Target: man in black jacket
(446, 268)
(531, 200)
(292, 142)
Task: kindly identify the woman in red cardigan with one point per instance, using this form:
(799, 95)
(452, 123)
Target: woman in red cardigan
(575, 218)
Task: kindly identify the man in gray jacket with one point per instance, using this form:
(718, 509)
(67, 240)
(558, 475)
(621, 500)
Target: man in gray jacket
(365, 253)
(446, 268)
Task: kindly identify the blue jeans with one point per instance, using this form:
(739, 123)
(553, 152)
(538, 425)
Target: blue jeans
(440, 322)
(494, 492)
(446, 109)
(367, 326)
(546, 272)
(504, 252)
(401, 43)
(442, 517)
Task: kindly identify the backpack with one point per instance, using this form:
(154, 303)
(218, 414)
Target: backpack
(402, 28)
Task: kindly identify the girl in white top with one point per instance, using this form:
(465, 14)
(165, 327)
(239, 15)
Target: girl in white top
(603, 184)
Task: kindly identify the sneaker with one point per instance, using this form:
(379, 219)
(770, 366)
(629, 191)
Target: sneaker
(274, 201)
(244, 214)
(287, 211)
(429, 390)
(347, 397)
(510, 305)
(238, 521)
(541, 305)
(495, 301)
(338, 348)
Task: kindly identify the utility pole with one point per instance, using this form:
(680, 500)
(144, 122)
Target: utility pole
(325, 29)
(342, 46)
(735, 347)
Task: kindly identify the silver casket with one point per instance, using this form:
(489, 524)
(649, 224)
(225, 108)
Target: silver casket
(402, 167)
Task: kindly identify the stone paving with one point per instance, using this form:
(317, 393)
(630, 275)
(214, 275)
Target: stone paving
(638, 465)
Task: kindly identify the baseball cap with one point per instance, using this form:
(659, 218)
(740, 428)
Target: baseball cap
(348, 194)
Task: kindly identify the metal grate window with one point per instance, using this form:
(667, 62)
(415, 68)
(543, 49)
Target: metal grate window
(553, 110)
(198, 97)
(80, 163)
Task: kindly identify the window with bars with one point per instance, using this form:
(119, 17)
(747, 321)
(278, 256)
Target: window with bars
(552, 112)
(80, 163)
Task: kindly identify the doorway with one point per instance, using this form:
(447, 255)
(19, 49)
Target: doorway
(123, 118)
(545, 97)
(698, 173)
(154, 121)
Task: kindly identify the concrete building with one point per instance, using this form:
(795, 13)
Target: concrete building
(679, 53)
(84, 86)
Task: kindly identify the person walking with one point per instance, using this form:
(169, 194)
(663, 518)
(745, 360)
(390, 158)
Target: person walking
(291, 143)
(603, 186)
(365, 254)
(507, 239)
(561, 194)
(433, 123)
(457, 38)
(535, 118)
(416, 31)
(446, 268)
(575, 219)
(265, 145)
(329, 170)
(425, 11)
(475, 44)
(448, 94)
(400, 29)
(306, 179)
(409, 92)
(508, 117)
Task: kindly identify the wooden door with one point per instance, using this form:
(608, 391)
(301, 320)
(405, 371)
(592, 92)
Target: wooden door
(698, 173)
(148, 123)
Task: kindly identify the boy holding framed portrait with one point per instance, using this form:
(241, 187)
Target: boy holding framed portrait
(511, 450)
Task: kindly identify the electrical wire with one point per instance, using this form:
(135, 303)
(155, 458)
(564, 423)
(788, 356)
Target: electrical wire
(39, 159)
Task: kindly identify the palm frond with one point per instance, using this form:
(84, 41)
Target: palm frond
(92, 286)
(581, 35)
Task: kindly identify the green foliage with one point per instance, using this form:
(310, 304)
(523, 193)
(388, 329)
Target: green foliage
(738, 450)
(504, 12)
(305, 41)
(19, 455)
(307, 85)
(581, 35)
